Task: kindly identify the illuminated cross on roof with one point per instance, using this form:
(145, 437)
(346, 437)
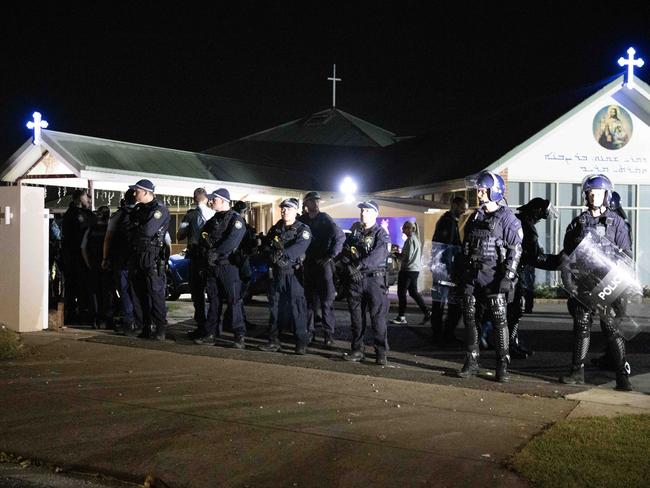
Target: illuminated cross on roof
(630, 62)
(334, 79)
(37, 125)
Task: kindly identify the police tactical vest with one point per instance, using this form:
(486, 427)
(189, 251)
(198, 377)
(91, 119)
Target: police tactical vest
(483, 241)
(216, 229)
(288, 235)
(143, 243)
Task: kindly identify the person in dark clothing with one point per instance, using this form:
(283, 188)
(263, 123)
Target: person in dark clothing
(117, 250)
(326, 244)
(491, 254)
(603, 222)
(220, 238)
(446, 238)
(76, 221)
(247, 248)
(190, 229)
(532, 256)
(285, 246)
(99, 279)
(150, 221)
(364, 255)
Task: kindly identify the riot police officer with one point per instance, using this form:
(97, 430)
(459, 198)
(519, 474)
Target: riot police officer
(364, 255)
(491, 254)
(598, 219)
(532, 257)
(190, 229)
(76, 221)
(284, 246)
(615, 206)
(220, 238)
(150, 221)
(326, 244)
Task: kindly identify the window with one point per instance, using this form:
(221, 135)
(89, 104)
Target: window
(643, 259)
(628, 195)
(571, 195)
(644, 194)
(518, 193)
(544, 190)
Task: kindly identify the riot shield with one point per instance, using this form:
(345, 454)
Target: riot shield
(604, 279)
(443, 272)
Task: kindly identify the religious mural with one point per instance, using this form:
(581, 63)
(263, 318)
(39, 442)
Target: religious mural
(612, 127)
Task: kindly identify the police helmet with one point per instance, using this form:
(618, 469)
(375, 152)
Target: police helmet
(615, 201)
(494, 184)
(598, 182)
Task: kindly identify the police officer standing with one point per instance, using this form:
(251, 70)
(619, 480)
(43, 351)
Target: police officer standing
(76, 221)
(447, 233)
(597, 190)
(99, 279)
(220, 238)
(491, 254)
(326, 244)
(190, 229)
(246, 249)
(284, 246)
(364, 254)
(532, 257)
(116, 255)
(150, 220)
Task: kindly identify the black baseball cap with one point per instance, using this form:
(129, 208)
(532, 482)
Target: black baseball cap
(312, 195)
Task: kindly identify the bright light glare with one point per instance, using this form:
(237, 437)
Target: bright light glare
(348, 186)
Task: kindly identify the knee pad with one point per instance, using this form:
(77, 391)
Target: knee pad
(497, 305)
(469, 309)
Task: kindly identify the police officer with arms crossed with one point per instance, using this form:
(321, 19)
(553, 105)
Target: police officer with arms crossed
(599, 219)
(190, 229)
(285, 246)
(326, 244)
(220, 238)
(150, 220)
(491, 254)
(365, 252)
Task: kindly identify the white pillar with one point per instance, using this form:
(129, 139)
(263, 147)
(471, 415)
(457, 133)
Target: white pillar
(24, 258)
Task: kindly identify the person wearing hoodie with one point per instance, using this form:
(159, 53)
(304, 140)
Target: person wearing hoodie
(190, 229)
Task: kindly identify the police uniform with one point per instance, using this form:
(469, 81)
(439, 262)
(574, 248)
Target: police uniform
(99, 280)
(327, 242)
(611, 226)
(147, 265)
(220, 237)
(119, 252)
(190, 228)
(446, 232)
(76, 221)
(365, 252)
(491, 253)
(285, 247)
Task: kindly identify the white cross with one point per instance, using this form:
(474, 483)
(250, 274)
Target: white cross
(630, 62)
(37, 125)
(334, 79)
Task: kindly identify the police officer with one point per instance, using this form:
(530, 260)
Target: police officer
(364, 254)
(532, 257)
(446, 232)
(150, 221)
(327, 242)
(615, 206)
(220, 238)
(284, 246)
(491, 254)
(190, 229)
(76, 221)
(99, 279)
(598, 218)
(116, 255)
(246, 249)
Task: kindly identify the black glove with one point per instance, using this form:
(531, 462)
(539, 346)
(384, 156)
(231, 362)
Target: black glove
(506, 285)
(276, 256)
(355, 275)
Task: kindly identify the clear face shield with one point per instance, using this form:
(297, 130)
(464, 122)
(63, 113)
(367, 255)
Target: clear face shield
(443, 268)
(551, 212)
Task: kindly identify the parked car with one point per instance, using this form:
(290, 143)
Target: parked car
(178, 276)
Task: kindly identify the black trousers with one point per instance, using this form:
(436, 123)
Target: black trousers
(101, 294)
(443, 326)
(374, 291)
(75, 274)
(320, 294)
(197, 288)
(287, 306)
(148, 294)
(223, 285)
(408, 281)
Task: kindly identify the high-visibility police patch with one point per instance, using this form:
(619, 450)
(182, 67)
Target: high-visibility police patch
(238, 225)
(305, 235)
(157, 214)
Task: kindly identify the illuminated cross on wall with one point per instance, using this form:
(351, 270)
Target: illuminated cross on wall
(630, 62)
(334, 79)
(37, 125)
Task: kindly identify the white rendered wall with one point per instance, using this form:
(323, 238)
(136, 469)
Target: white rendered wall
(23, 259)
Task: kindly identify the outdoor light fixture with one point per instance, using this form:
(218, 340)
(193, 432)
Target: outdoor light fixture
(348, 188)
(630, 62)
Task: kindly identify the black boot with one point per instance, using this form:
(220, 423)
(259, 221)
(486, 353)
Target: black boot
(206, 339)
(623, 381)
(301, 349)
(502, 375)
(471, 366)
(354, 356)
(160, 333)
(239, 343)
(271, 346)
(381, 359)
(329, 342)
(575, 377)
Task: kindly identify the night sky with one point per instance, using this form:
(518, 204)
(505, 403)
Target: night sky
(191, 79)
